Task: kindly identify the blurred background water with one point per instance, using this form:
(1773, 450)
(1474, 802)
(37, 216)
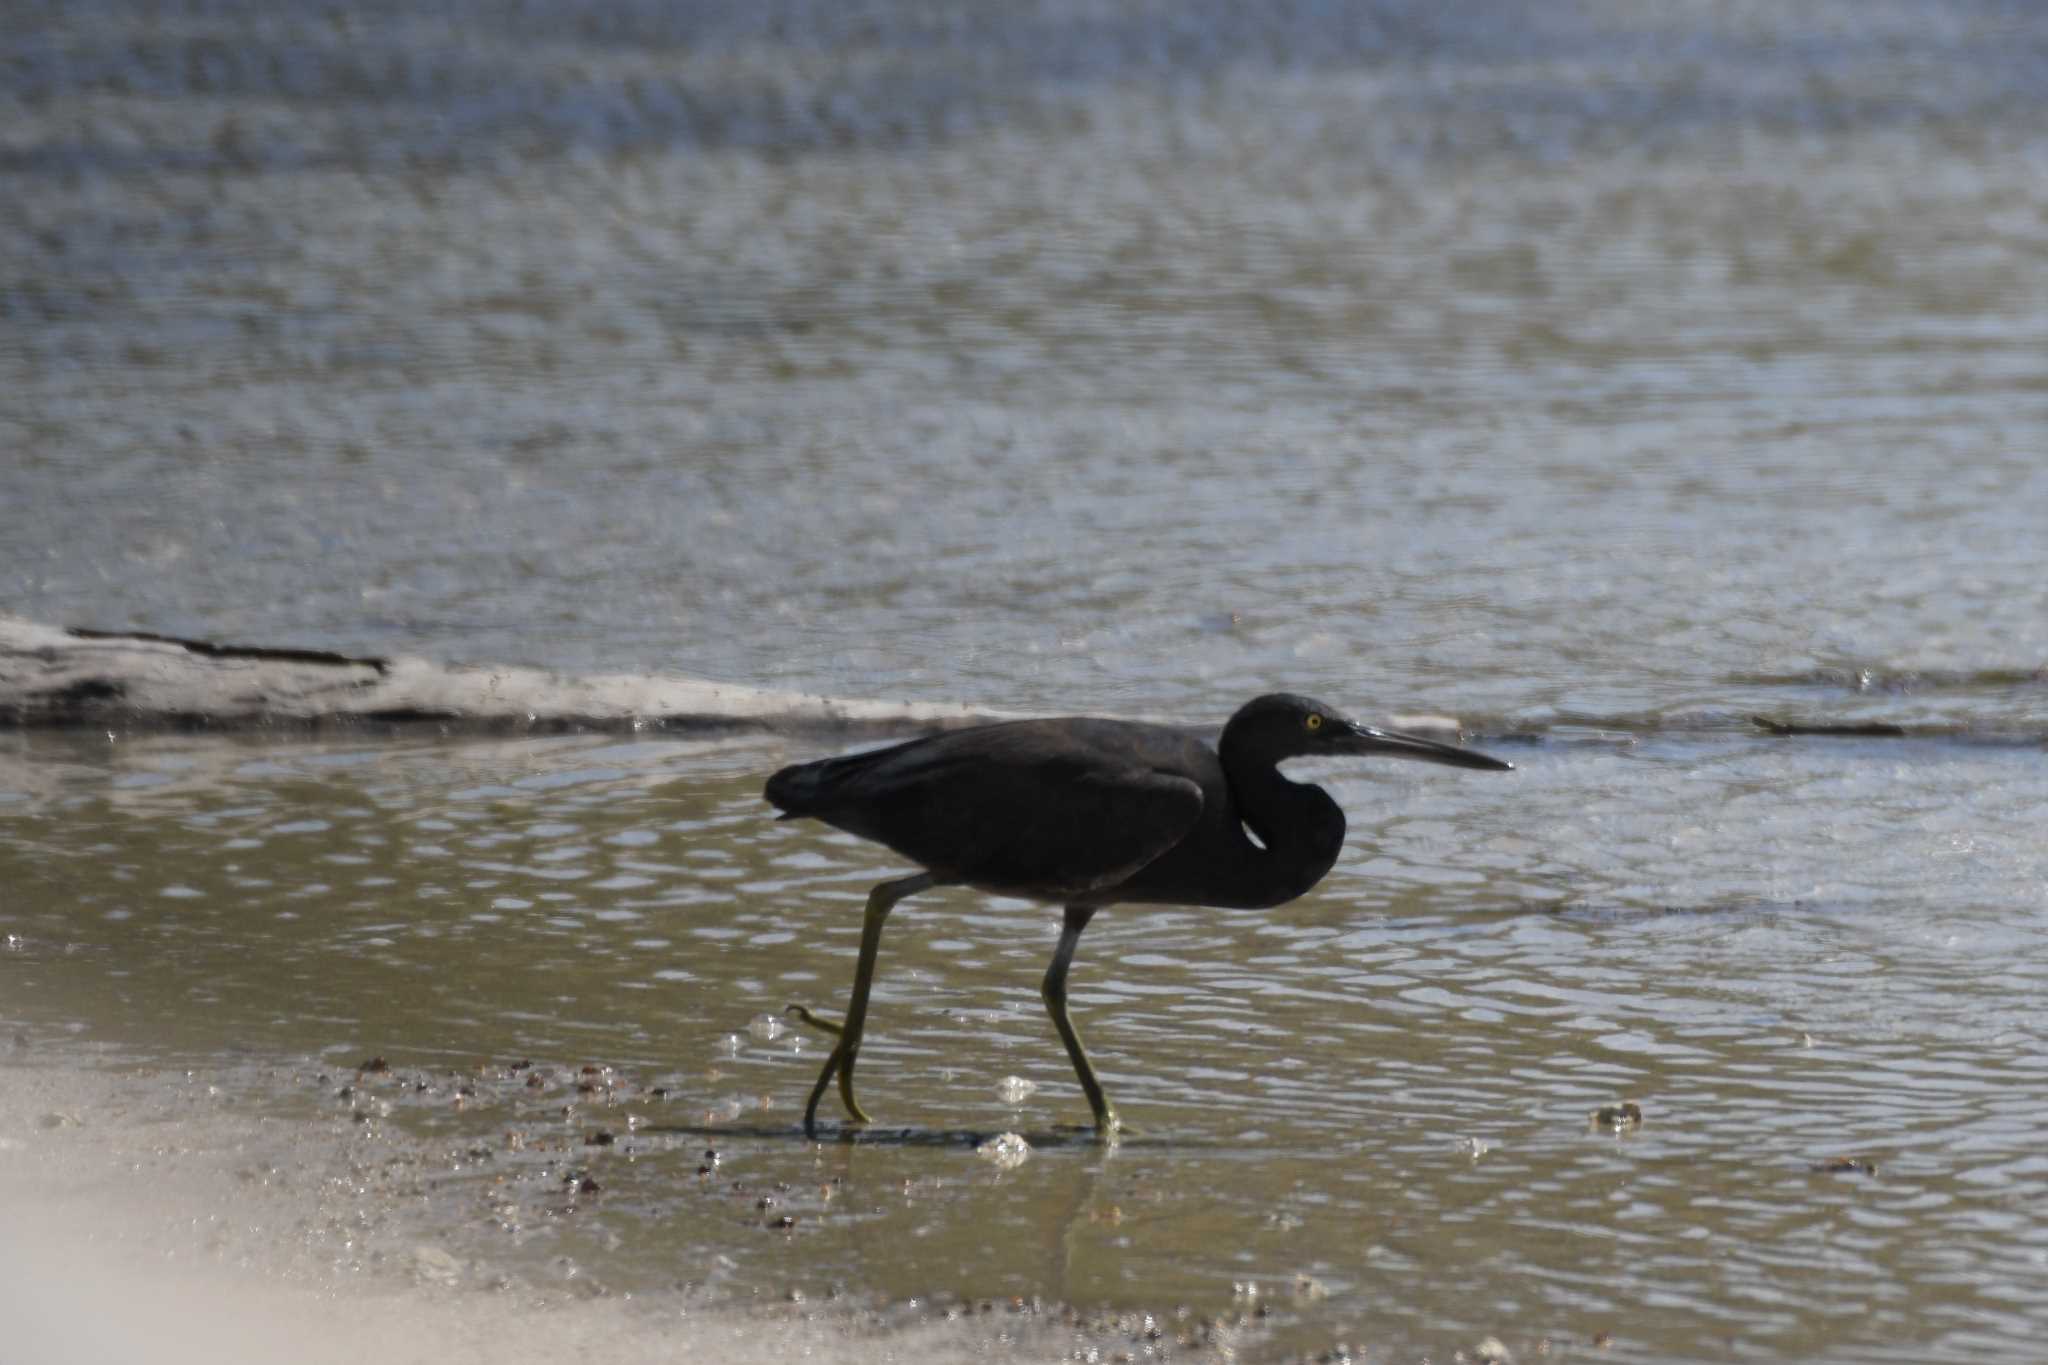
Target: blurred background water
(1599, 374)
(1075, 356)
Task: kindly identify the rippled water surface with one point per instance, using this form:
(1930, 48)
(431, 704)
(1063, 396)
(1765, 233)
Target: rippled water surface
(1603, 376)
(1539, 359)
(1373, 1105)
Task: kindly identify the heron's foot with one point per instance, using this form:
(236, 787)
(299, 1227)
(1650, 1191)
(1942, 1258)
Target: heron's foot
(808, 1020)
(841, 1064)
(846, 1087)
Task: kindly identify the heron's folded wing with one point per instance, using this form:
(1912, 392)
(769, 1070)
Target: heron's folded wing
(1049, 827)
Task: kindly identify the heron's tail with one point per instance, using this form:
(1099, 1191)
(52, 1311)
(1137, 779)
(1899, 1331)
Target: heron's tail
(831, 789)
(796, 790)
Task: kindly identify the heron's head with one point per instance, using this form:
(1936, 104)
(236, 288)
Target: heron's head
(1281, 725)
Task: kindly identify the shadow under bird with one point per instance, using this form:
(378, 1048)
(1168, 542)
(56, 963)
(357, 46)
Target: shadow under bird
(1084, 812)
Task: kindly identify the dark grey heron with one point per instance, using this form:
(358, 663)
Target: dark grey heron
(1083, 812)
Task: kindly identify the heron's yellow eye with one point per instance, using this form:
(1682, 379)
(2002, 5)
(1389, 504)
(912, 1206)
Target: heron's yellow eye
(1314, 721)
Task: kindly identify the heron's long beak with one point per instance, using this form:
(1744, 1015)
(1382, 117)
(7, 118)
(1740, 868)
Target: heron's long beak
(1367, 739)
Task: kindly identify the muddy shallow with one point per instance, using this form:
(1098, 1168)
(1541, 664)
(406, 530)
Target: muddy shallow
(547, 975)
(152, 1217)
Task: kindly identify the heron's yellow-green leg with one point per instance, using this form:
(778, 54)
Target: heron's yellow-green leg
(880, 901)
(1055, 992)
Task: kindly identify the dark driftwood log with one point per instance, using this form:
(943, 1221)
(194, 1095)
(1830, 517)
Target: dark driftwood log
(1872, 729)
(54, 676)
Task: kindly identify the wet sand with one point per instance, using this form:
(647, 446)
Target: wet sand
(59, 676)
(150, 1217)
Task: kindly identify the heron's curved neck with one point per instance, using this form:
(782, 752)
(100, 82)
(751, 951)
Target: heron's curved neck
(1299, 826)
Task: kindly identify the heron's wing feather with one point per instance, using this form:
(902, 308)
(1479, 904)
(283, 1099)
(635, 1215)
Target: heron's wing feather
(1027, 812)
(1087, 835)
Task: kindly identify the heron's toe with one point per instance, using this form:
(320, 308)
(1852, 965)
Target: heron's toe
(809, 1020)
(853, 1108)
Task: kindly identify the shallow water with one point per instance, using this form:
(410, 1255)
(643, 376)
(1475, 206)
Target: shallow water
(1368, 1110)
(1602, 377)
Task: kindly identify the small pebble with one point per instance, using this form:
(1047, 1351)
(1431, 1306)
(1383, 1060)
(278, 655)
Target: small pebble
(436, 1266)
(1627, 1114)
(1309, 1287)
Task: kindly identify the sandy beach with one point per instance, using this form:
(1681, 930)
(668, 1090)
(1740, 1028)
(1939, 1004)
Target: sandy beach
(148, 1219)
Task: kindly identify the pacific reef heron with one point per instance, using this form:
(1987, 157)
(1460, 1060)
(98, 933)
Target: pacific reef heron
(1083, 812)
